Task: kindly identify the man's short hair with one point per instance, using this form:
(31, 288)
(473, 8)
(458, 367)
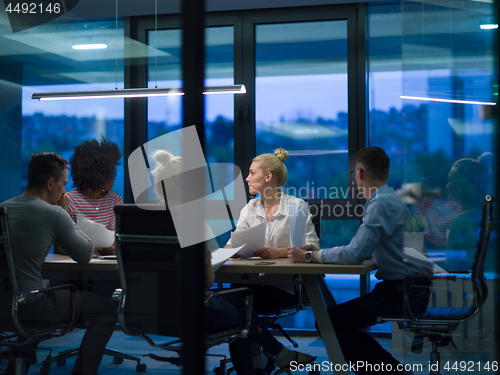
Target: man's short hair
(44, 166)
(375, 162)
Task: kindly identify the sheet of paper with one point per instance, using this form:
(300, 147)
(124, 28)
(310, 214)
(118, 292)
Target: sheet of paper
(297, 214)
(416, 255)
(106, 257)
(220, 256)
(100, 236)
(252, 239)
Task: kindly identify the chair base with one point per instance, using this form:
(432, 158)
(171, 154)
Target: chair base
(437, 341)
(118, 358)
(272, 324)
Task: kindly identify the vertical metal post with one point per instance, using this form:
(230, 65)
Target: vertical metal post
(193, 275)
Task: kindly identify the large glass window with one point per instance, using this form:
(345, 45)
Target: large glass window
(301, 103)
(430, 109)
(46, 59)
(165, 70)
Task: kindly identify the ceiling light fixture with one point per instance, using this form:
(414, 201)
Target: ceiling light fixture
(90, 46)
(488, 24)
(446, 100)
(134, 93)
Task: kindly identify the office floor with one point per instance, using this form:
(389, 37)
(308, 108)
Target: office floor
(311, 345)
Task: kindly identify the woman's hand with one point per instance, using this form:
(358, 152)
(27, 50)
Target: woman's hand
(106, 250)
(271, 253)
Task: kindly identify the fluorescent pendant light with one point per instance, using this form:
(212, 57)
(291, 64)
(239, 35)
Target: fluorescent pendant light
(135, 93)
(90, 46)
(446, 100)
(490, 26)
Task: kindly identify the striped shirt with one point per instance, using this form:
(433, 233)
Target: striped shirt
(98, 210)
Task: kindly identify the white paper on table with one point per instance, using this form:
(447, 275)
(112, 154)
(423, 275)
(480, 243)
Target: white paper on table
(100, 236)
(416, 255)
(219, 256)
(252, 239)
(297, 214)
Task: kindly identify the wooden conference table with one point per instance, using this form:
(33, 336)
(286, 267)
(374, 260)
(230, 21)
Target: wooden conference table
(243, 271)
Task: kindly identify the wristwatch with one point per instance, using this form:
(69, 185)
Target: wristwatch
(308, 257)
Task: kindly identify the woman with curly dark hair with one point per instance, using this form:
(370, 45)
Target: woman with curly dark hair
(93, 168)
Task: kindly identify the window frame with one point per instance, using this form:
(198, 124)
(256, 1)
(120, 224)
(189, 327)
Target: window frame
(244, 23)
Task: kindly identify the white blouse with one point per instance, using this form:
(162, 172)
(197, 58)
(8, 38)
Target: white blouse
(278, 225)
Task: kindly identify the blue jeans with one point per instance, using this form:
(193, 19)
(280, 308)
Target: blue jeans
(386, 299)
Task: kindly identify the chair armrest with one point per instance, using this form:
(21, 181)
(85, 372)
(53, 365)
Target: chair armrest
(247, 293)
(117, 295)
(71, 313)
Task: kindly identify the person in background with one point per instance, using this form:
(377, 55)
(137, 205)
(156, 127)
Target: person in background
(93, 169)
(380, 235)
(36, 221)
(436, 212)
(267, 176)
(469, 181)
(231, 309)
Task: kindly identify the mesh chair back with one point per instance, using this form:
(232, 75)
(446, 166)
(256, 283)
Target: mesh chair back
(487, 224)
(148, 256)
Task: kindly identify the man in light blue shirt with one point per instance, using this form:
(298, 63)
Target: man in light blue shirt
(380, 236)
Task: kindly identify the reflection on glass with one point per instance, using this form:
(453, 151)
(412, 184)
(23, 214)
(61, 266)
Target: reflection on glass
(448, 147)
(301, 102)
(55, 66)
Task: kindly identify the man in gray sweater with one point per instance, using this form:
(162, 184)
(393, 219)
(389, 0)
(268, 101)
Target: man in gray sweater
(37, 220)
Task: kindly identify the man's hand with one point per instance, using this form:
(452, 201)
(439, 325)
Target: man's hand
(296, 255)
(64, 201)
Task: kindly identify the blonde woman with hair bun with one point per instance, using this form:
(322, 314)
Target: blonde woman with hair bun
(229, 310)
(266, 177)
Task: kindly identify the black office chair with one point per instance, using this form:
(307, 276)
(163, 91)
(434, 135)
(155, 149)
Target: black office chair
(301, 300)
(118, 358)
(438, 323)
(17, 333)
(60, 358)
(148, 254)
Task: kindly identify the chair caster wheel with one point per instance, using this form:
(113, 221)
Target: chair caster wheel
(141, 367)
(61, 362)
(117, 360)
(44, 370)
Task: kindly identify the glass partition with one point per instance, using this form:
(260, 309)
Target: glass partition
(44, 59)
(432, 92)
